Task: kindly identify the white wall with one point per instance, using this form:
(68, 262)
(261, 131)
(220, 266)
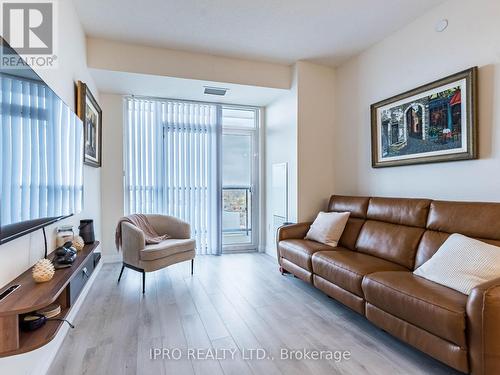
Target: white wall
(112, 172)
(315, 126)
(299, 130)
(20, 254)
(411, 57)
(280, 139)
(133, 58)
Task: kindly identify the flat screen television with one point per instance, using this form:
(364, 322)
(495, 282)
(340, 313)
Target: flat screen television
(41, 153)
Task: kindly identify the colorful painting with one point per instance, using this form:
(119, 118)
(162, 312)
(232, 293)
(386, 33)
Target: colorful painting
(91, 114)
(432, 123)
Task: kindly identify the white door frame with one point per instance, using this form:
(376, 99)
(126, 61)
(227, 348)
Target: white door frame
(253, 246)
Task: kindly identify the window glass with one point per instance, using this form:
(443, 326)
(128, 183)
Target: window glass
(238, 118)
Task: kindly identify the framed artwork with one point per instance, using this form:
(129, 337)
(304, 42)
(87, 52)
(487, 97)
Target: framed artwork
(432, 123)
(91, 114)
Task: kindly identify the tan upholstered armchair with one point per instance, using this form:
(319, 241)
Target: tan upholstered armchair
(147, 258)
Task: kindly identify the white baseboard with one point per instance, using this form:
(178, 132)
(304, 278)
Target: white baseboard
(271, 251)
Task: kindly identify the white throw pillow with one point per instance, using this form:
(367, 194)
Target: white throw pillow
(462, 263)
(328, 227)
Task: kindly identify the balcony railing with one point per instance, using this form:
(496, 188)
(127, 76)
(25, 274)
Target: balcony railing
(236, 214)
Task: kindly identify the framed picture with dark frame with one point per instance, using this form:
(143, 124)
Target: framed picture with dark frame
(436, 122)
(90, 113)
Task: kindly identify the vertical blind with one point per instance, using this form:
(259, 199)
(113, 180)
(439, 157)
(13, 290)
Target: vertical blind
(41, 151)
(171, 164)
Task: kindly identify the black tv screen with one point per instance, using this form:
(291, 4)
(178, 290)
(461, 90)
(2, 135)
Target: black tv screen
(41, 153)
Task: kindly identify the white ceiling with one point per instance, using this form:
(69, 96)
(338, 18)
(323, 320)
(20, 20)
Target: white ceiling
(284, 31)
(125, 83)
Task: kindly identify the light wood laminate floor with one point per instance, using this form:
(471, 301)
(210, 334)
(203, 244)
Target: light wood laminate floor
(232, 301)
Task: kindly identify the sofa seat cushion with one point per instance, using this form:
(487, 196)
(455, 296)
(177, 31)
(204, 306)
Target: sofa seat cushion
(346, 268)
(299, 251)
(167, 248)
(423, 303)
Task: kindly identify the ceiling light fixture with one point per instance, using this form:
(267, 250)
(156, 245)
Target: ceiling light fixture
(215, 91)
(441, 25)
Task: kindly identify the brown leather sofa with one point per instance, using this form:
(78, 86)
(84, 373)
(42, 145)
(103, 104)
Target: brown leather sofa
(370, 271)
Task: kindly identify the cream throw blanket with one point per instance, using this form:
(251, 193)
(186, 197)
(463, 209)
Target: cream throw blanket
(141, 222)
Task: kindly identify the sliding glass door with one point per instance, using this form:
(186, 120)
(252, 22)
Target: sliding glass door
(239, 179)
(198, 162)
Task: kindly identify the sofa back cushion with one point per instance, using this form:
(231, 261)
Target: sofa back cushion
(396, 243)
(358, 207)
(431, 241)
(393, 229)
(477, 220)
(351, 233)
(402, 211)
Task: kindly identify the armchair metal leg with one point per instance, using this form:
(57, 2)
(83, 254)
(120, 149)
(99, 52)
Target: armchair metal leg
(135, 269)
(192, 265)
(143, 281)
(121, 272)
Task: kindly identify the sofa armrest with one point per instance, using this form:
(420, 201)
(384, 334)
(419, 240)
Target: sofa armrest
(293, 231)
(290, 231)
(132, 243)
(483, 315)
